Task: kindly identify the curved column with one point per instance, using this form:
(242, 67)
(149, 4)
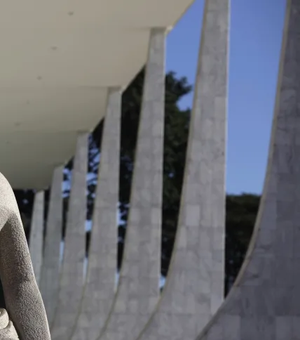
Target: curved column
(72, 279)
(138, 289)
(101, 275)
(264, 301)
(50, 270)
(194, 286)
(37, 234)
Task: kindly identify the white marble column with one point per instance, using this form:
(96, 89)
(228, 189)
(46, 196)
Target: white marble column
(50, 270)
(194, 286)
(72, 279)
(138, 289)
(101, 275)
(37, 234)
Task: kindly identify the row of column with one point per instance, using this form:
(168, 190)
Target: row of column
(90, 308)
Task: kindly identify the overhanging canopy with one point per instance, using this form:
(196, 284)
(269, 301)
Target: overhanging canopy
(58, 59)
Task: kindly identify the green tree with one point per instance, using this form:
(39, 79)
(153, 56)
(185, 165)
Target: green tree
(241, 211)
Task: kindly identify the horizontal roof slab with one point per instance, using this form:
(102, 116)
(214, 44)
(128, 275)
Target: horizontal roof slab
(58, 60)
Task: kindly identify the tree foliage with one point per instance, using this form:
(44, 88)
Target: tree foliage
(241, 211)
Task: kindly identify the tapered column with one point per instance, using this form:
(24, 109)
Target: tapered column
(138, 289)
(50, 270)
(264, 301)
(72, 280)
(194, 286)
(37, 233)
(101, 275)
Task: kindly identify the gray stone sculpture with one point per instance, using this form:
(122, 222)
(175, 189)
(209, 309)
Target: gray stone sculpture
(7, 329)
(25, 307)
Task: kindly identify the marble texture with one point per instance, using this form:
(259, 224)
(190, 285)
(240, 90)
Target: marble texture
(194, 287)
(264, 301)
(138, 289)
(37, 234)
(50, 270)
(72, 276)
(101, 275)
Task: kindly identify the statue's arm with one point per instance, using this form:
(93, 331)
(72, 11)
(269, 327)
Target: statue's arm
(22, 297)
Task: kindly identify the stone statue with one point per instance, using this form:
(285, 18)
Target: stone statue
(7, 329)
(25, 318)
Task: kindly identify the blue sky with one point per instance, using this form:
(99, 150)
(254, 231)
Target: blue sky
(255, 42)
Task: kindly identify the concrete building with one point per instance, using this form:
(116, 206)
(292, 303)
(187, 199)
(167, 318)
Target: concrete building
(66, 64)
(65, 71)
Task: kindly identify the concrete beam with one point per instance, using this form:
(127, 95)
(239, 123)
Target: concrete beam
(37, 234)
(101, 275)
(72, 278)
(194, 287)
(264, 301)
(138, 289)
(50, 270)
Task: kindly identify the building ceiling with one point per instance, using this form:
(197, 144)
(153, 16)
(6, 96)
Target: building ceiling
(58, 59)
